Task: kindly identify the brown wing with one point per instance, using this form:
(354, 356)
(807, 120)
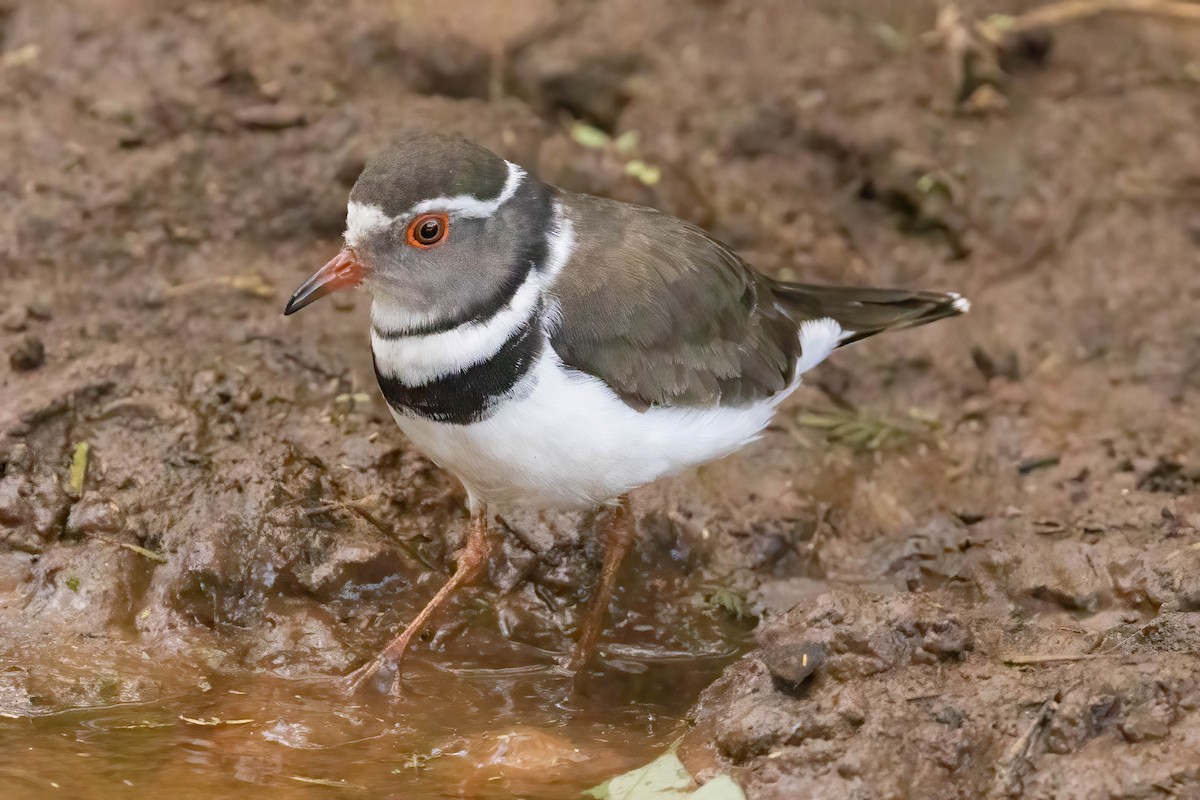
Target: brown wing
(666, 315)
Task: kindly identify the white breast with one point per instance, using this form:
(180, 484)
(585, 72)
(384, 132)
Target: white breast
(572, 443)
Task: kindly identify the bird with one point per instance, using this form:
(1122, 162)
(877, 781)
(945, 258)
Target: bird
(556, 350)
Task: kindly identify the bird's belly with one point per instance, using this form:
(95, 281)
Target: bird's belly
(571, 443)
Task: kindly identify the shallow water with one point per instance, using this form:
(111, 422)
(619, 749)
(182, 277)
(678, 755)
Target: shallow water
(458, 729)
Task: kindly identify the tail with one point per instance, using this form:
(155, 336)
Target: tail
(866, 312)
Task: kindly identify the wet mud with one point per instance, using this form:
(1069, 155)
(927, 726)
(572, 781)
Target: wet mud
(962, 563)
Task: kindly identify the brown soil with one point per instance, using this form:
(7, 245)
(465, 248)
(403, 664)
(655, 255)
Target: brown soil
(1001, 599)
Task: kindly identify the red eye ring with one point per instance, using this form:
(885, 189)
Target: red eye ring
(428, 230)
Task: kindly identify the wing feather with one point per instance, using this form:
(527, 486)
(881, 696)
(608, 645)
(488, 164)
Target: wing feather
(665, 314)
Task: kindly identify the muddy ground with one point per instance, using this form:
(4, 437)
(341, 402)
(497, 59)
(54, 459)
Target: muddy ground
(1002, 589)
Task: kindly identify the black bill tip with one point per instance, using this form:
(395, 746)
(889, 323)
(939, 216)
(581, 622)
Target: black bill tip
(342, 272)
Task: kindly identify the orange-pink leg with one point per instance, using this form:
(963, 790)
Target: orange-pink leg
(616, 528)
(472, 560)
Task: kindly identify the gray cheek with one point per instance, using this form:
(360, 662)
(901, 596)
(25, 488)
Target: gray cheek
(404, 281)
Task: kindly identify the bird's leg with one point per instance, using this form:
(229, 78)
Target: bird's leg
(472, 560)
(617, 531)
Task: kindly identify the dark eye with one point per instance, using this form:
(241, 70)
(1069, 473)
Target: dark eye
(428, 229)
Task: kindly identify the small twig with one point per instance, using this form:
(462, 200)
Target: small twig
(214, 721)
(254, 285)
(1189, 549)
(333, 784)
(1018, 753)
(1113, 650)
(1034, 659)
(822, 525)
(998, 27)
(922, 697)
(136, 548)
(142, 551)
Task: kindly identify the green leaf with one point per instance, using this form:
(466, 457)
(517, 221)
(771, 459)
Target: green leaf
(891, 38)
(730, 601)
(646, 173)
(719, 788)
(589, 136)
(1002, 22)
(665, 778)
(627, 142)
(866, 432)
(79, 465)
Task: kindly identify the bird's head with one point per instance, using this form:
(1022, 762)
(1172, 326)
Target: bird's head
(437, 231)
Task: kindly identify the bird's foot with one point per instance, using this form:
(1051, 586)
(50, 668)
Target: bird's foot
(365, 676)
(471, 562)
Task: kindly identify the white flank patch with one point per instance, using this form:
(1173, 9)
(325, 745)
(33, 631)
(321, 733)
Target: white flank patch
(818, 338)
(572, 443)
(417, 360)
(363, 219)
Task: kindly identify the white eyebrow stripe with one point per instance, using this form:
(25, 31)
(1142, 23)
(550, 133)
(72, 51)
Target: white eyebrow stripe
(363, 219)
(467, 206)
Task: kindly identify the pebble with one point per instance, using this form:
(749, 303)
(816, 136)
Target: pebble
(95, 515)
(792, 662)
(40, 310)
(15, 319)
(14, 506)
(270, 116)
(28, 355)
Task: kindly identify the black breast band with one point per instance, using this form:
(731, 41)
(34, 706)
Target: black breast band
(471, 394)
